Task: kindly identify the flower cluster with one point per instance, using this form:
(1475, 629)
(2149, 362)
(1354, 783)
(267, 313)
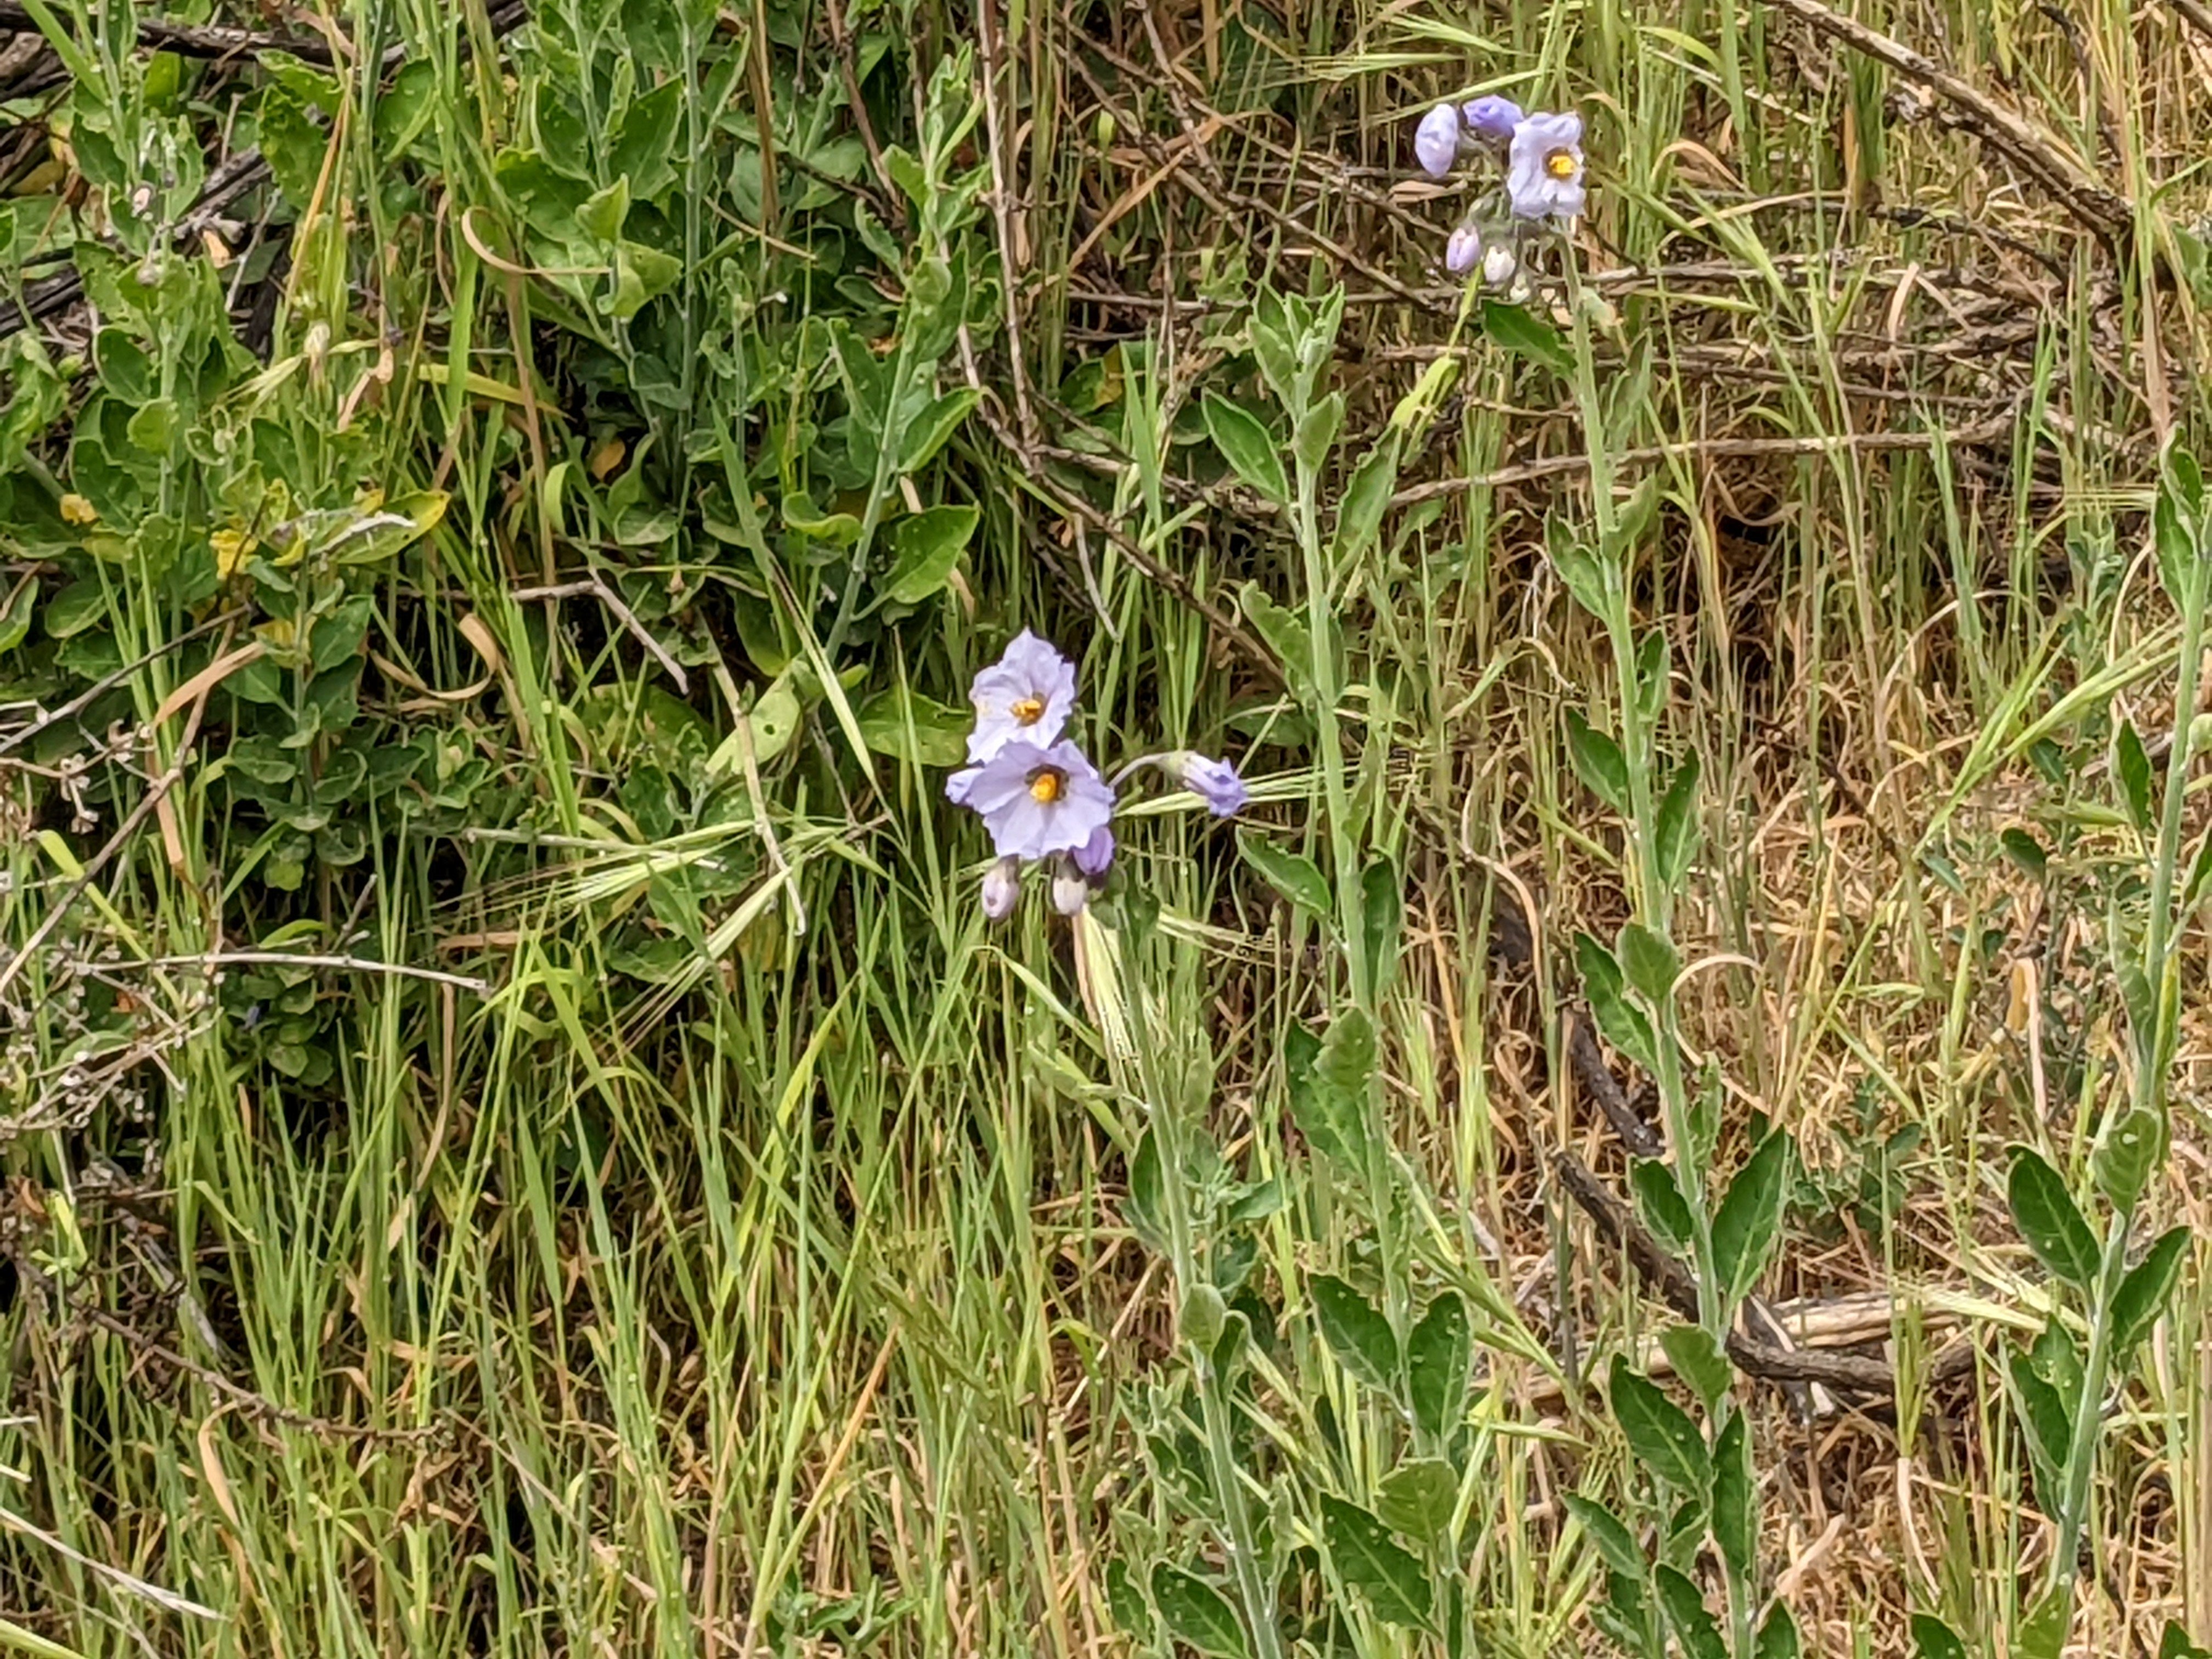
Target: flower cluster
(1040, 797)
(1541, 153)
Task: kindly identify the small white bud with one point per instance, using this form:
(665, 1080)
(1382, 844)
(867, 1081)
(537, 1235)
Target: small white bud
(1002, 889)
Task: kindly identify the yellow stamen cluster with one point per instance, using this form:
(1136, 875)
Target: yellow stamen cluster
(1029, 711)
(1562, 164)
(1045, 786)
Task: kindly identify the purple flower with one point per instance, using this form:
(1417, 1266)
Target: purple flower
(1543, 166)
(1463, 250)
(1026, 697)
(1491, 117)
(1095, 856)
(1002, 889)
(1037, 800)
(1213, 782)
(1435, 141)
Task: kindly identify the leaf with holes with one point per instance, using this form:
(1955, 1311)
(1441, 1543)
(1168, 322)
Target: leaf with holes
(1417, 1498)
(1692, 1621)
(1394, 1583)
(1197, 1615)
(1356, 1332)
(1439, 1350)
(1660, 1432)
(2045, 1213)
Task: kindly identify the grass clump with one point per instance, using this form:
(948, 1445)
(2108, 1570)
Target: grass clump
(1668, 1122)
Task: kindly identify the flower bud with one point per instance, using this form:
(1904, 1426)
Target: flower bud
(1498, 265)
(1435, 141)
(1463, 250)
(1002, 889)
(1069, 892)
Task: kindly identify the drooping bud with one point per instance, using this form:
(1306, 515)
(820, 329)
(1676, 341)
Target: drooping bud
(1002, 889)
(1463, 250)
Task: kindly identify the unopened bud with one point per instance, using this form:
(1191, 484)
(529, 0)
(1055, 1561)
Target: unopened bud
(1002, 889)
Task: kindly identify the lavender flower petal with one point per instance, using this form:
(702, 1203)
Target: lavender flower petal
(1024, 698)
(1037, 801)
(1492, 117)
(1543, 166)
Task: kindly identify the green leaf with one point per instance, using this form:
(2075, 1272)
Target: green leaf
(2044, 1415)
(1418, 1497)
(125, 369)
(1613, 1540)
(1439, 1354)
(1749, 1218)
(1736, 1493)
(1316, 433)
(1676, 835)
(1660, 1432)
(1579, 567)
(1291, 874)
(1125, 1600)
(152, 426)
(603, 211)
(2130, 1148)
(1147, 1205)
(1196, 1613)
(370, 538)
(1285, 633)
(1651, 663)
(2134, 767)
(2047, 1218)
(2042, 1633)
(2024, 850)
(1648, 961)
(1598, 762)
(2175, 528)
(76, 608)
(925, 548)
(2142, 1294)
(932, 428)
(1366, 498)
(1382, 913)
(1777, 1637)
(1334, 1122)
(2174, 1643)
(1356, 1332)
(1347, 1054)
(1521, 334)
(1244, 444)
(1699, 1361)
(1933, 1639)
(904, 725)
(1369, 1560)
(1661, 1204)
(1624, 1027)
(1692, 1621)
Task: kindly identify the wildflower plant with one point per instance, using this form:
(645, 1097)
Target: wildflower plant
(1041, 801)
(1529, 172)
